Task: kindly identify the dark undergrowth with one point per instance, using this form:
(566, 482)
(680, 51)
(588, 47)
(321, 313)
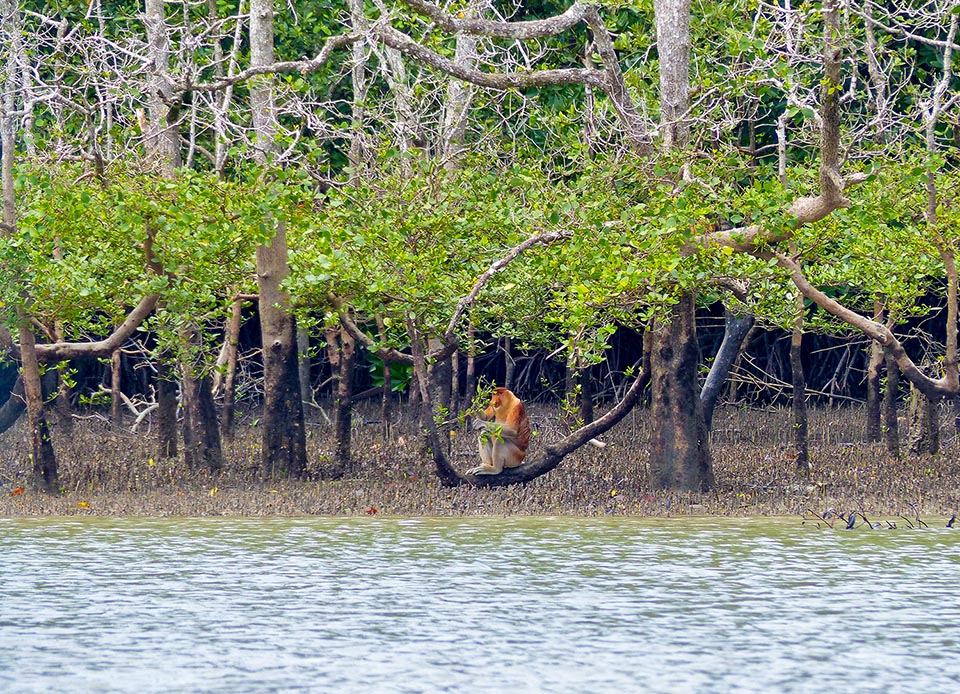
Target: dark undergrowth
(113, 472)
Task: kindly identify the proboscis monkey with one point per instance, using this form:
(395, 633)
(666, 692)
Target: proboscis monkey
(504, 434)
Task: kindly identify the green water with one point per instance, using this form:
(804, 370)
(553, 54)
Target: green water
(379, 605)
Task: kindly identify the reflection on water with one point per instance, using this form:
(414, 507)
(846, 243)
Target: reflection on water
(481, 605)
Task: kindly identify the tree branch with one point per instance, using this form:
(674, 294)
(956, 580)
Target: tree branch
(449, 339)
(931, 387)
(493, 80)
(555, 453)
(61, 351)
(302, 66)
(609, 80)
(543, 239)
(518, 31)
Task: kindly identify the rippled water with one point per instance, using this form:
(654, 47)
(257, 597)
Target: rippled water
(493, 605)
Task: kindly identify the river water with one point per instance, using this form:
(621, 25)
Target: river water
(378, 605)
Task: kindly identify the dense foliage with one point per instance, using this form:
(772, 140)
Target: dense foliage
(396, 203)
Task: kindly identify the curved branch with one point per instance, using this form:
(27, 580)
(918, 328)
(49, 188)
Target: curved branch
(554, 454)
(62, 351)
(372, 346)
(609, 80)
(544, 239)
(449, 341)
(931, 387)
(808, 210)
(493, 80)
(308, 66)
(519, 31)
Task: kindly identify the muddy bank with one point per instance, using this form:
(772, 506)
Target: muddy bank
(113, 472)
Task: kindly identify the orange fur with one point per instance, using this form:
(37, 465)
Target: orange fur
(505, 436)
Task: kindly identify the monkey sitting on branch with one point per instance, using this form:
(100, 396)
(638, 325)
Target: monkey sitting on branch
(504, 434)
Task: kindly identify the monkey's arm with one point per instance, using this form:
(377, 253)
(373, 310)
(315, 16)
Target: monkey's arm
(493, 428)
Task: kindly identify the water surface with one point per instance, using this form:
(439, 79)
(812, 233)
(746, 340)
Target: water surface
(480, 605)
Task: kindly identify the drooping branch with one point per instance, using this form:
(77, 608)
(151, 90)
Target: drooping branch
(449, 341)
(609, 79)
(932, 387)
(544, 239)
(519, 31)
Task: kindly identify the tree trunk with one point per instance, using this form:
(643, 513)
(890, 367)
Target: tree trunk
(801, 446)
(116, 404)
(45, 471)
(43, 457)
(440, 374)
(470, 376)
(201, 431)
(343, 409)
(386, 398)
(733, 390)
(448, 476)
(284, 437)
(680, 451)
(891, 426)
(62, 403)
(586, 396)
(63, 406)
(455, 386)
(303, 356)
(873, 429)
(167, 407)
(924, 424)
(735, 329)
(231, 341)
(509, 364)
(673, 49)
(162, 136)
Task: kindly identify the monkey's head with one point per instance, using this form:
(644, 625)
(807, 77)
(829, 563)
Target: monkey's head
(500, 398)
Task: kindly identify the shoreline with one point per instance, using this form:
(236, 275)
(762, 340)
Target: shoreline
(109, 472)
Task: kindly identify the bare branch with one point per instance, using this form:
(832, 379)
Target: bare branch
(302, 66)
(519, 31)
(609, 80)
(875, 331)
(540, 239)
(492, 80)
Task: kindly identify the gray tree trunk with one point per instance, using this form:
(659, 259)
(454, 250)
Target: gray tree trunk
(735, 329)
(679, 448)
(801, 446)
(891, 425)
(45, 471)
(680, 451)
(924, 424)
(284, 438)
(228, 410)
